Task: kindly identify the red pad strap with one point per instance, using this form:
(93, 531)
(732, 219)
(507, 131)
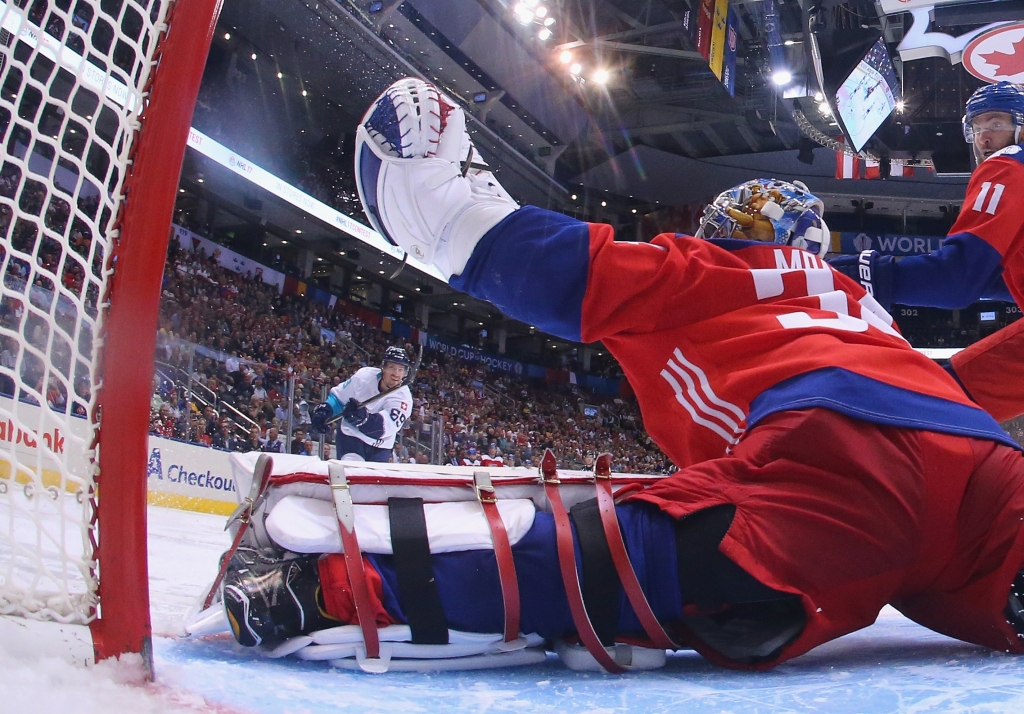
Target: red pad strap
(354, 561)
(502, 553)
(567, 564)
(623, 566)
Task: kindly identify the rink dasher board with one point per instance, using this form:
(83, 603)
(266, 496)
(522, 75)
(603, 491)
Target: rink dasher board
(51, 450)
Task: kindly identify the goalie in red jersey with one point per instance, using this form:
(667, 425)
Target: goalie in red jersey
(826, 468)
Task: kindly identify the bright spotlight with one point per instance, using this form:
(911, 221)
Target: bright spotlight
(565, 57)
(544, 33)
(541, 11)
(304, 93)
(782, 77)
(280, 75)
(825, 109)
(253, 55)
(227, 35)
(819, 97)
(601, 76)
(531, 3)
(575, 68)
(900, 106)
(549, 22)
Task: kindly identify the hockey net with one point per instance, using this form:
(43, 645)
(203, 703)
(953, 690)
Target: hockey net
(78, 87)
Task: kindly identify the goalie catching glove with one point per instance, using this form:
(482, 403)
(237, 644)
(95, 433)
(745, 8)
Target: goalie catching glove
(416, 177)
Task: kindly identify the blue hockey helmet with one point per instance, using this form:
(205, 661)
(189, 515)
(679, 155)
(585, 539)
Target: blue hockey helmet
(768, 210)
(999, 97)
(396, 355)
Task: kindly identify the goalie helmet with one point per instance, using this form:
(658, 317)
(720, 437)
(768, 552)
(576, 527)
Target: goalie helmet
(396, 355)
(768, 210)
(999, 97)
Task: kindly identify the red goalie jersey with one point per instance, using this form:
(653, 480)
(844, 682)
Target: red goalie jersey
(716, 335)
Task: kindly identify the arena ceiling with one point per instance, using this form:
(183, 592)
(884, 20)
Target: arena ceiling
(661, 130)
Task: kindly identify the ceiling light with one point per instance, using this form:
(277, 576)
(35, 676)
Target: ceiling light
(818, 97)
(298, 231)
(531, 3)
(199, 180)
(304, 92)
(227, 35)
(634, 210)
(900, 106)
(573, 197)
(381, 272)
(280, 75)
(253, 55)
(938, 133)
(181, 190)
(541, 11)
(789, 43)
(601, 76)
(549, 22)
(320, 259)
(575, 68)
(565, 57)
(782, 77)
(544, 33)
(604, 203)
(825, 109)
(284, 242)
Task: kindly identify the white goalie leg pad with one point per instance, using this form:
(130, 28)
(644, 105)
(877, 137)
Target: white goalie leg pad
(309, 525)
(411, 182)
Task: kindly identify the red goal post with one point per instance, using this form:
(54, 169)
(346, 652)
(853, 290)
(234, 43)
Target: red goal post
(87, 192)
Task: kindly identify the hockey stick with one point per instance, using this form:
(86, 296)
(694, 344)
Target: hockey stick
(243, 514)
(405, 383)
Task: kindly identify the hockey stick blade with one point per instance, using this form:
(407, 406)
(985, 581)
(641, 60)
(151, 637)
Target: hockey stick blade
(257, 491)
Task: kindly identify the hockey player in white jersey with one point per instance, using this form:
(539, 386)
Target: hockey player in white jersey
(368, 432)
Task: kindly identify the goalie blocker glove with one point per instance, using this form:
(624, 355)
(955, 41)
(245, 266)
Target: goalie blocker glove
(872, 270)
(410, 151)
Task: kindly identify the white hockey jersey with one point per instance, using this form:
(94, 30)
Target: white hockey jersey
(395, 408)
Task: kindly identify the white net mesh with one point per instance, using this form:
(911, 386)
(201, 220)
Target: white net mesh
(72, 76)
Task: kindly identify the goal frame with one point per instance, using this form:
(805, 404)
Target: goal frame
(123, 622)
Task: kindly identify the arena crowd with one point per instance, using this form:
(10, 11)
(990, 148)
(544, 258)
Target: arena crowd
(250, 341)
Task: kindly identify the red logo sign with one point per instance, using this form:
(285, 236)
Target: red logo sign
(997, 55)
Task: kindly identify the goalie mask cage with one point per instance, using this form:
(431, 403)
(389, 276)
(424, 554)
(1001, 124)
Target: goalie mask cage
(96, 99)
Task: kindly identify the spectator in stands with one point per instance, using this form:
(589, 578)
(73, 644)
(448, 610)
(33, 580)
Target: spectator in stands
(273, 444)
(252, 442)
(492, 458)
(225, 438)
(298, 443)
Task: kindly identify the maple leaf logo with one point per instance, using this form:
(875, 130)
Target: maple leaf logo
(1009, 63)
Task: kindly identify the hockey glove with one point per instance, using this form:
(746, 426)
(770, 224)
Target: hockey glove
(318, 419)
(872, 270)
(416, 181)
(355, 414)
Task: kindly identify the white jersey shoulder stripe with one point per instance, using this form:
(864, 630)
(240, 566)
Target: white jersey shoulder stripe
(681, 398)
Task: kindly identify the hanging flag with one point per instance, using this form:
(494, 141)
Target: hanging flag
(731, 43)
(871, 169)
(704, 23)
(847, 165)
(716, 53)
(899, 168)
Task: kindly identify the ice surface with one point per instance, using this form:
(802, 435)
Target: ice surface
(894, 666)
